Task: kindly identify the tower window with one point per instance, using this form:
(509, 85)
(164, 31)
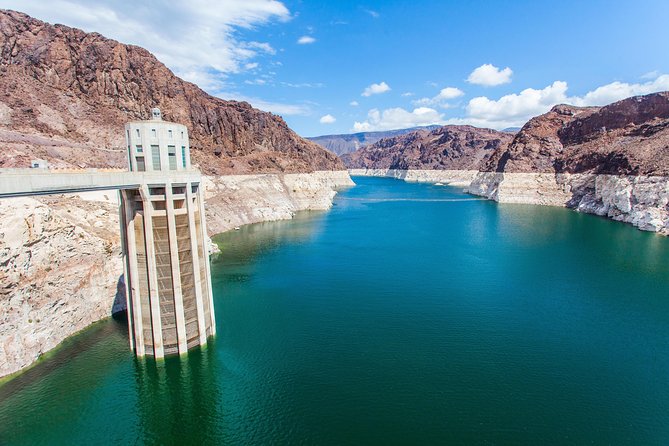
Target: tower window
(172, 156)
(155, 157)
(183, 156)
(137, 130)
(153, 133)
(169, 134)
(139, 148)
(141, 167)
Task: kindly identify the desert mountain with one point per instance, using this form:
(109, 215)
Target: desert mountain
(628, 137)
(449, 147)
(347, 143)
(65, 96)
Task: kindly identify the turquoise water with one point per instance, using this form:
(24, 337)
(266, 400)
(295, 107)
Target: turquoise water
(408, 314)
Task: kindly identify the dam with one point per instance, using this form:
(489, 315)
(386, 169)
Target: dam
(163, 233)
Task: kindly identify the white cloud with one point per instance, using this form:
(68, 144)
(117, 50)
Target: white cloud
(373, 13)
(327, 119)
(398, 118)
(528, 102)
(441, 100)
(303, 85)
(650, 75)
(376, 89)
(305, 40)
(206, 47)
(256, 82)
(516, 109)
(268, 106)
(407, 94)
(353, 103)
(489, 75)
(616, 91)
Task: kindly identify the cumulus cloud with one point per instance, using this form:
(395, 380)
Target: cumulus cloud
(441, 100)
(616, 91)
(515, 109)
(353, 103)
(328, 119)
(305, 40)
(274, 107)
(489, 75)
(398, 118)
(376, 89)
(203, 50)
(528, 102)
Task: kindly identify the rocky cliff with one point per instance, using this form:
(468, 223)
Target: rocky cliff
(60, 266)
(444, 148)
(628, 137)
(611, 161)
(65, 96)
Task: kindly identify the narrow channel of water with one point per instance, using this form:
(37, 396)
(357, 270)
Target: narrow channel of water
(408, 314)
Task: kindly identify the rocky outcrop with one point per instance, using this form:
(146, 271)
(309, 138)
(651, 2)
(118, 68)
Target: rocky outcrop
(60, 257)
(65, 96)
(235, 200)
(60, 265)
(640, 200)
(628, 137)
(445, 148)
(611, 161)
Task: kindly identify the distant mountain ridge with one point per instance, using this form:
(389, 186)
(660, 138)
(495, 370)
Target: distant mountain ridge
(347, 143)
(451, 147)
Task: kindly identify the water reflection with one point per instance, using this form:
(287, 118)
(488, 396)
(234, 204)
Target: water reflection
(248, 242)
(178, 399)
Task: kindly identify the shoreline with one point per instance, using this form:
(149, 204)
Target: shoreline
(641, 200)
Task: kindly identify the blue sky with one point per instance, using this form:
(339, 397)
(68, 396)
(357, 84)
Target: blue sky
(343, 66)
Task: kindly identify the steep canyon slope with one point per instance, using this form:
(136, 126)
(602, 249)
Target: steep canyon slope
(66, 94)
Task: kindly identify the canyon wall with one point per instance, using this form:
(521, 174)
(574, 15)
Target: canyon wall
(60, 257)
(640, 200)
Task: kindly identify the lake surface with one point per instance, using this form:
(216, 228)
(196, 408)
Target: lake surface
(408, 314)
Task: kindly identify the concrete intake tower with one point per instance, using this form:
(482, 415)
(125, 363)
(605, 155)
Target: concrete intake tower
(168, 279)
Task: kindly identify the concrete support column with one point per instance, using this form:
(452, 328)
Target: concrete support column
(126, 279)
(191, 208)
(176, 272)
(154, 300)
(203, 228)
(132, 279)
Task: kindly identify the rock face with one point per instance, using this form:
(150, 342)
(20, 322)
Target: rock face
(628, 137)
(65, 96)
(60, 265)
(341, 144)
(445, 148)
(611, 161)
